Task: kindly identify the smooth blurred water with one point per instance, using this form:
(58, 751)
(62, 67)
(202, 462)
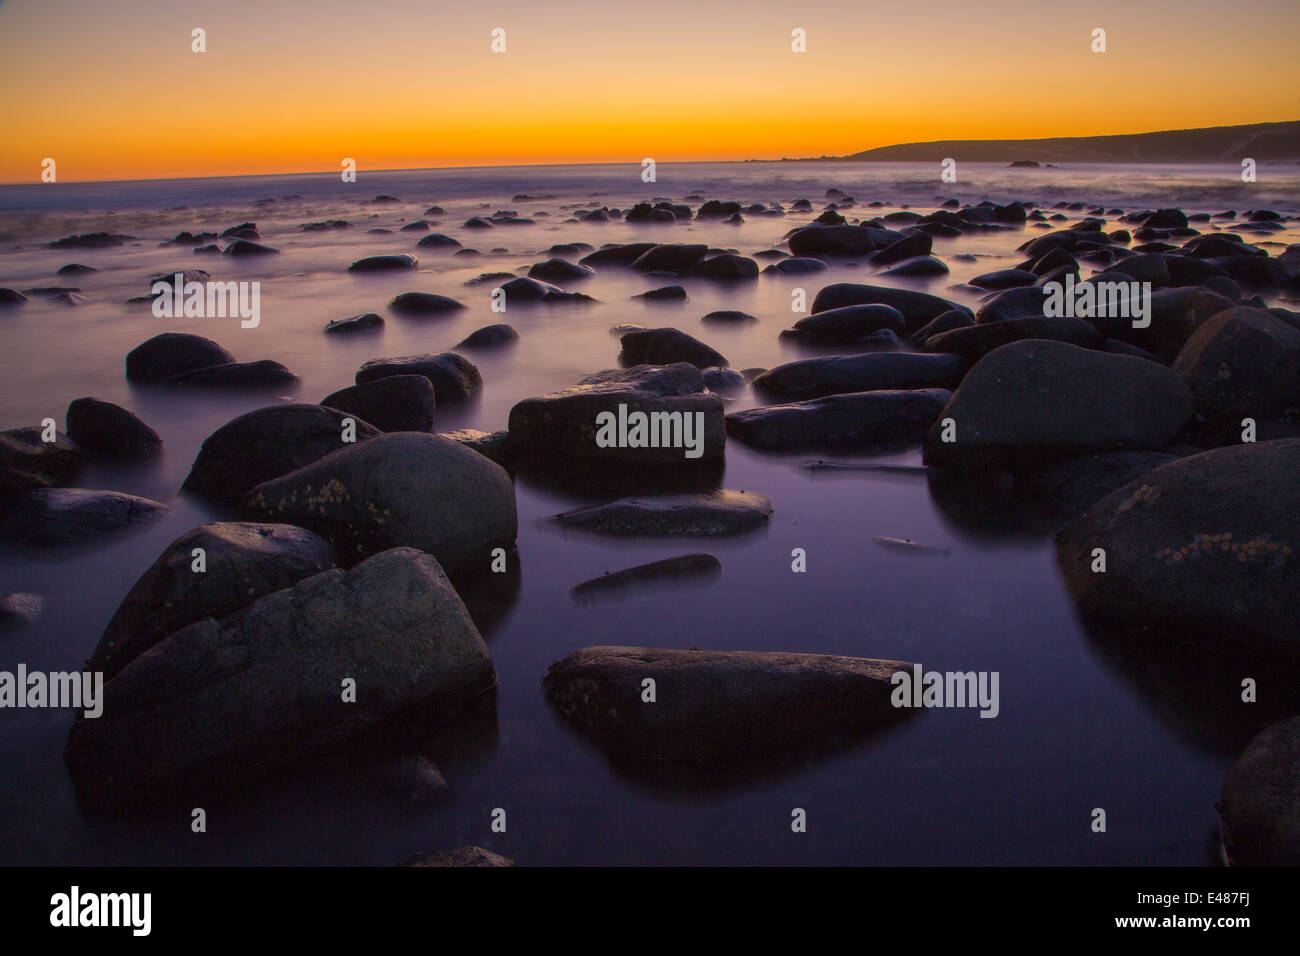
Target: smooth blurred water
(1078, 729)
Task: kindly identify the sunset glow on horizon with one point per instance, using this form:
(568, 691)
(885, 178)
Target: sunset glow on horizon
(112, 90)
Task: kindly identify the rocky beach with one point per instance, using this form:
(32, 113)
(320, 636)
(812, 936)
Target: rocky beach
(616, 506)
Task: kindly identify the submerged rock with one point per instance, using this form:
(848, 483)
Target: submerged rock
(261, 374)
(853, 420)
(488, 337)
(424, 303)
(402, 489)
(194, 710)
(714, 513)
(61, 515)
(460, 857)
(388, 263)
(719, 709)
(357, 323)
(686, 567)
(240, 563)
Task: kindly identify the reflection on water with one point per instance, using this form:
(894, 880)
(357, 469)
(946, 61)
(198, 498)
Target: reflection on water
(1085, 722)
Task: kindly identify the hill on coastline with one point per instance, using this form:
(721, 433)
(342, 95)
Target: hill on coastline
(1259, 141)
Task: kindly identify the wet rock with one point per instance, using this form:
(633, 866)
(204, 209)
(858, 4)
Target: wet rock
(424, 304)
(90, 240)
(523, 290)
(617, 255)
(846, 325)
(975, 342)
(909, 247)
(241, 563)
(398, 403)
(669, 257)
(560, 270)
(712, 514)
(110, 431)
(729, 317)
(1004, 279)
(18, 609)
(944, 323)
(27, 462)
(666, 346)
(402, 489)
(719, 710)
(1019, 303)
(723, 380)
(264, 444)
(1260, 803)
(172, 353)
(61, 515)
(853, 420)
(460, 857)
(668, 293)
(246, 247)
(488, 337)
(496, 446)
(1202, 547)
(796, 266)
(454, 378)
(1242, 362)
(683, 568)
(261, 374)
(1035, 399)
(357, 323)
(194, 709)
(818, 377)
(839, 241)
(11, 297)
(436, 240)
(389, 263)
(564, 424)
(727, 268)
(917, 307)
(1076, 484)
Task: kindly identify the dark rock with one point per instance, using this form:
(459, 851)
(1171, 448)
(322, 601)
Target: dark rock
(852, 420)
(246, 247)
(454, 378)
(194, 711)
(260, 374)
(1076, 484)
(686, 567)
(726, 268)
(424, 303)
(666, 346)
(715, 513)
(1005, 279)
(1034, 400)
(398, 403)
(110, 431)
(1201, 548)
(920, 266)
(357, 323)
(436, 240)
(60, 515)
(917, 307)
(90, 240)
(623, 255)
(668, 293)
(975, 342)
(488, 337)
(560, 270)
(909, 247)
(563, 424)
(1260, 804)
(242, 562)
(173, 353)
(944, 323)
(18, 609)
(729, 317)
(384, 263)
(460, 857)
(668, 257)
(264, 444)
(834, 375)
(402, 489)
(27, 462)
(1242, 362)
(846, 325)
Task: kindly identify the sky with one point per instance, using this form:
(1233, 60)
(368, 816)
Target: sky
(111, 89)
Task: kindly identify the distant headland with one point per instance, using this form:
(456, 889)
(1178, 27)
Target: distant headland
(1259, 141)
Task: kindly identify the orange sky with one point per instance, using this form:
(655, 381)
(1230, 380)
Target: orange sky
(111, 90)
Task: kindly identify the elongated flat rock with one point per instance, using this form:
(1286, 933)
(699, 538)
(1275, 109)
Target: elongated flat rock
(685, 567)
(715, 513)
(718, 707)
(858, 419)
